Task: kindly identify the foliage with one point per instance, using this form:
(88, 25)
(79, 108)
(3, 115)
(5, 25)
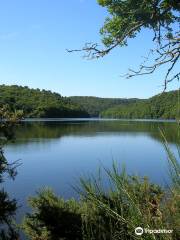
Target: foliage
(126, 19)
(172, 200)
(37, 103)
(109, 212)
(95, 105)
(53, 218)
(8, 209)
(164, 106)
(8, 121)
(114, 214)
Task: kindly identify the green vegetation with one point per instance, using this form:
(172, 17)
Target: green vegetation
(126, 19)
(164, 106)
(103, 211)
(44, 104)
(8, 206)
(53, 218)
(36, 103)
(94, 105)
(111, 212)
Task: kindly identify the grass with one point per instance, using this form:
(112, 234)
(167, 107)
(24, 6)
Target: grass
(109, 213)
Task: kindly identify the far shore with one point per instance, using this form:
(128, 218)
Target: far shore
(94, 119)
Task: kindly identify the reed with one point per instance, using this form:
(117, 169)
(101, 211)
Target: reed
(110, 212)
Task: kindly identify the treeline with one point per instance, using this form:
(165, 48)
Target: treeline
(101, 211)
(163, 106)
(46, 104)
(39, 103)
(95, 105)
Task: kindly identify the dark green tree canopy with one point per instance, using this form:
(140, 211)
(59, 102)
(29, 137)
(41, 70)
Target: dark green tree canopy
(36, 103)
(126, 19)
(8, 206)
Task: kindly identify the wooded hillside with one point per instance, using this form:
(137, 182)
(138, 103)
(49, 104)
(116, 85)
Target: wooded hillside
(165, 106)
(43, 103)
(95, 105)
(39, 103)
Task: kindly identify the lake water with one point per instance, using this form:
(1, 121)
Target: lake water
(56, 153)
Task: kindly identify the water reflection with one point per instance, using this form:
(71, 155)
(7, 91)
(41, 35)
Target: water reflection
(55, 154)
(28, 131)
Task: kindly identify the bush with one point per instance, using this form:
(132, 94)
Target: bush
(53, 218)
(109, 213)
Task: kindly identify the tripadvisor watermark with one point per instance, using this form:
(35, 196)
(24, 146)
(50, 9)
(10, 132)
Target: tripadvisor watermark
(139, 231)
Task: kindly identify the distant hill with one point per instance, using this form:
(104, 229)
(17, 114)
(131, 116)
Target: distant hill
(163, 106)
(95, 105)
(39, 103)
(46, 104)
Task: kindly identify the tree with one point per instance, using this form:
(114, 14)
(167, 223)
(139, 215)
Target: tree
(36, 103)
(8, 121)
(127, 18)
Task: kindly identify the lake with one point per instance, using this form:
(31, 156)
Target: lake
(56, 153)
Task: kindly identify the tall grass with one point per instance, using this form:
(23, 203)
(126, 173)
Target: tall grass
(110, 213)
(131, 202)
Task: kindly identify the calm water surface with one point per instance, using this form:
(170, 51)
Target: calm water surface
(56, 153)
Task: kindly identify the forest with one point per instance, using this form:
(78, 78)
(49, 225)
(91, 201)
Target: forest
(36, 103)
(162, 106)
(57, 181)
(95, 105)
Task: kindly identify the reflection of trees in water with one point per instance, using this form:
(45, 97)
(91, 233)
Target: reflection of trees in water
(8, 206)
(39, 130)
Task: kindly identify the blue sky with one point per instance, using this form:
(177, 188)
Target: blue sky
(34, 36)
